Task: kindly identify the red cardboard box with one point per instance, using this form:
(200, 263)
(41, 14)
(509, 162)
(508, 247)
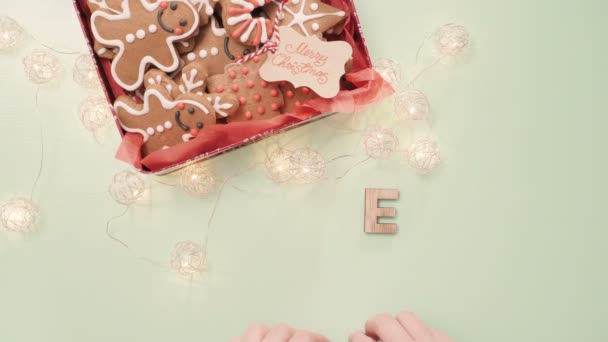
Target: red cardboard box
(360, 88)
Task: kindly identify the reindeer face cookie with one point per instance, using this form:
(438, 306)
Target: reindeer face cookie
(164, 120)
(144, 34)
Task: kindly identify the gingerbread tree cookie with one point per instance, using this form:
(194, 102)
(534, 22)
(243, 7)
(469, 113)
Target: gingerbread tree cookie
(165, 122)
(259, 100)
(308, 17)
(215, 49)
(144, 33)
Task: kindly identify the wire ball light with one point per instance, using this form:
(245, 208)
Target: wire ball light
(41, 67)
(19, 215)
(389, 70)
(380, 143)
(278, 166)
(11, 33)
(307, 166)
(85, 72)
(197, 180)
(451, 40)
(411, 104)
(188, 258)
(424, 155)
(95, 113)
(127, 188)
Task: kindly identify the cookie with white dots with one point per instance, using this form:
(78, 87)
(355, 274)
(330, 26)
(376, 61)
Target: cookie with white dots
(215, 49)
(308, 17)
(145, 35)
(259, 100)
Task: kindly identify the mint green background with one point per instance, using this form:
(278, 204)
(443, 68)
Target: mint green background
(506, 242)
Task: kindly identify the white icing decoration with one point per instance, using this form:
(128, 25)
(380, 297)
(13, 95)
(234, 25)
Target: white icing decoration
(104, 5)
(214, 51)
(189, 82)
(314, 6)
(141, 34)
(130, 38)
(168, 125)
(152, 28)
(187, 137)
(160, 128)
(218, 106)
(102, 51)
(300, 18)
(315, 27)
(191, 56)
(146, 60)
(145, 110)
(203, 53)
(217, 31)
(235, 20)
(184, 44)
(199, 4)
(150, 131)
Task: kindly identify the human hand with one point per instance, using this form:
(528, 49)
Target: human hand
(406, 327)
(278, 333)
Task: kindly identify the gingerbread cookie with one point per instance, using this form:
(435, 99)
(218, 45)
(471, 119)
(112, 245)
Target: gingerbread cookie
(165, 122)
(144, 33)
(259, 100)
(308, 17)
(191, 80)
(242, 24)
(215, 49)
(295, 98)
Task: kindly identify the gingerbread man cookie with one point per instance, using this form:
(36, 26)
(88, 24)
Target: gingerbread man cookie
(165, 122)
(215, 49)
(144, 33)
(308, 17)
(242, 24)
(259, 100)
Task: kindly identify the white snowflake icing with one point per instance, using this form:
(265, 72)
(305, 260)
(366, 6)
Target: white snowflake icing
(189, 82)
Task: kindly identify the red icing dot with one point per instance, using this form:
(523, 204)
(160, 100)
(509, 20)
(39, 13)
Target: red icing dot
(256, 59)
(275, 107)
(250, 84)
(261, 110)
(163, 5)
(290, 94)
(298, 103)
(248, 116)
(194, 132)
(274, 93)
(235, 87)
(238, 57)
(257, 97)
(181, 106)
(243, 100)
(232, 75)
(178, 31)
(305, 91)
(245, 71)
(264, 84)
(219, 89)
(283, 83)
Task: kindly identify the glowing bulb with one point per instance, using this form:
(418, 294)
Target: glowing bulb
(41, 67)
(95, 113)
(197, 180)
(380, 143)
(127, 188)
(278, 166)
(389, 70)
(18, 215)
(411, 104)
(451, 40)
(307, 166)
(85, 72)
(188, 258)
(424, 155)
(11, 33)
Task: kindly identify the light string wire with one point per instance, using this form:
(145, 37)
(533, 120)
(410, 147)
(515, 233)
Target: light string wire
(42, 147)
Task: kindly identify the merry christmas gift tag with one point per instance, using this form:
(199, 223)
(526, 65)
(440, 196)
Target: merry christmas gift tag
(307, 62)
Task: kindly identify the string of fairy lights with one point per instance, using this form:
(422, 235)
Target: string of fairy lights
(282, 165)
